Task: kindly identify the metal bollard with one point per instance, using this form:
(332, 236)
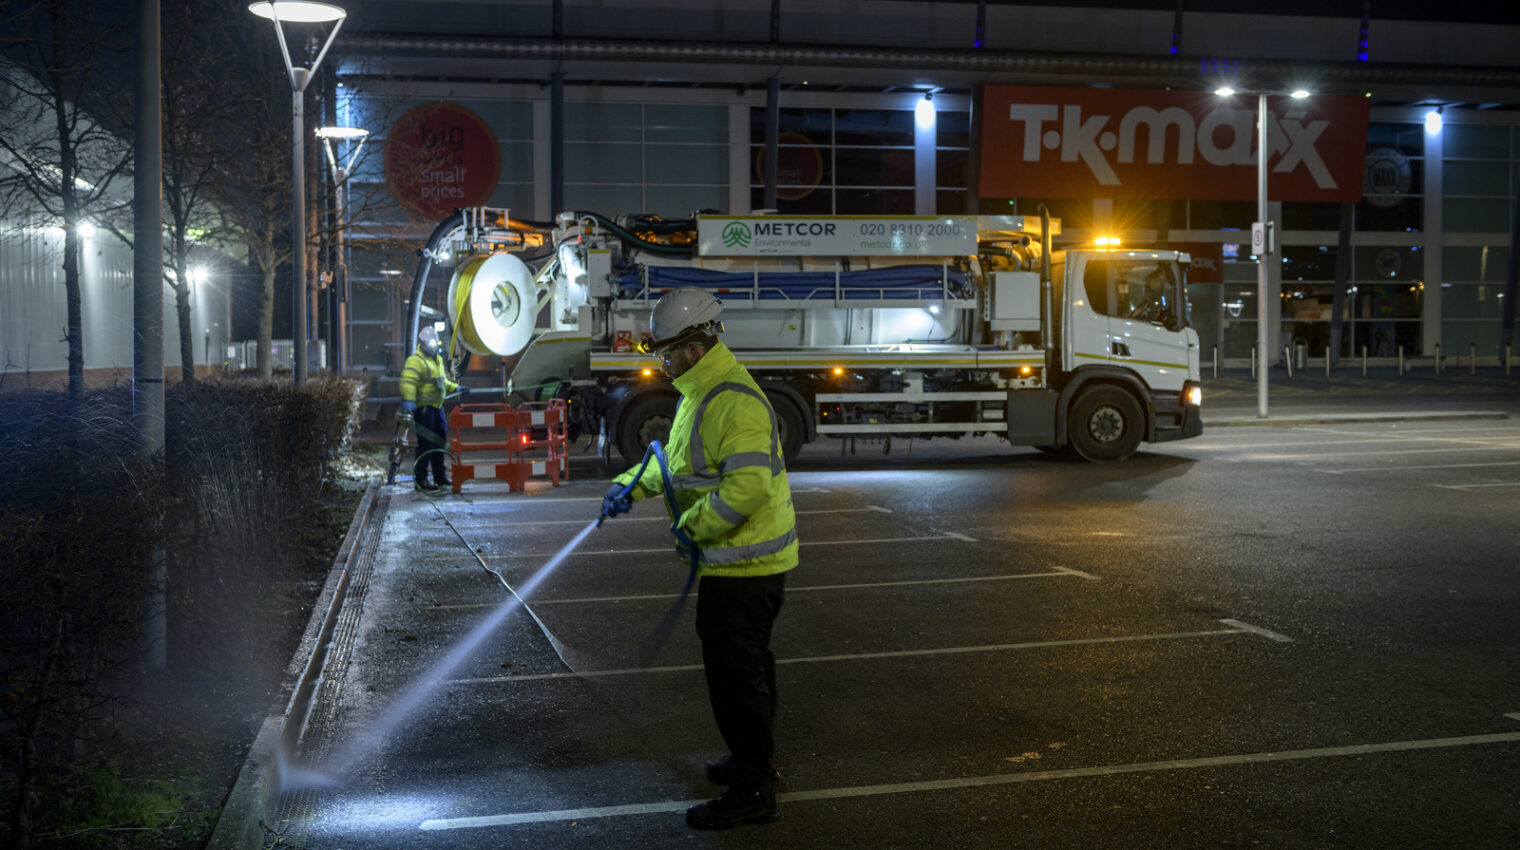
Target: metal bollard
(1327, 361)
(1401, 361)
(1288, 361)
(1216, 361)
(1253, 362)
(1472, 358)
(1364, 361)
(1438, 358)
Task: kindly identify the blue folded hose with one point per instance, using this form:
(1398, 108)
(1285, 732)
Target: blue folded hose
(893, 283)
(657, 637)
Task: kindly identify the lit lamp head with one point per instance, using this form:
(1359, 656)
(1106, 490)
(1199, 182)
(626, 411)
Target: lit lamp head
(341, 133)
(297, 11)
(328, 135)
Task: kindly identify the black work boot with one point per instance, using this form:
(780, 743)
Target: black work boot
(739, 805)
(725, 772)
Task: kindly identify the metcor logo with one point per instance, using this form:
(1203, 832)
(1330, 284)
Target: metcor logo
(736, 235)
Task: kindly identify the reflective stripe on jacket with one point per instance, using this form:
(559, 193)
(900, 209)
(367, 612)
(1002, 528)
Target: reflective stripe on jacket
(424, 380)
(727, 471)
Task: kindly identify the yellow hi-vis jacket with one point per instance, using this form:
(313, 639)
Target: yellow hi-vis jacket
(425, 381)
(727, 471)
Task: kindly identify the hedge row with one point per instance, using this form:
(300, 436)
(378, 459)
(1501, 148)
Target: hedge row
(87, 527)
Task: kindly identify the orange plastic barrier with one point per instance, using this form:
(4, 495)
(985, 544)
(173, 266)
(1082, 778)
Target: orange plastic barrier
(533, 439)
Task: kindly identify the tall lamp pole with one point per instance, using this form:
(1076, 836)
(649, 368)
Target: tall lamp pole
(1264, 248)
(339, 287)
(1263, 242)
(304, 12)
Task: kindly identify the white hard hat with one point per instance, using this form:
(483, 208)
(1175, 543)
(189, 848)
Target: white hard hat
(684, 310)
(427, 340)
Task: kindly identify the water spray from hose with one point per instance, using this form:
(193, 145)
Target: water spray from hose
(341, 762)
(339, 765)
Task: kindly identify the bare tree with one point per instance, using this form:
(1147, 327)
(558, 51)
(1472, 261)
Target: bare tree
(62, 155)
(197, 107)
(252, 194)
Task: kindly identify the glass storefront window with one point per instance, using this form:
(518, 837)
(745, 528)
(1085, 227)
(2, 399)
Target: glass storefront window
(873, 127)
(1476, 215)
(838, 161)
(1385, 263)
(1472, 301)
(1476, 141)
(952, 130)
(664, 159)
(952, 168)
(1479, 263)
(1308, 262)
(1407, 139)
(1311, 216)
(952, 202)
(1221, 215)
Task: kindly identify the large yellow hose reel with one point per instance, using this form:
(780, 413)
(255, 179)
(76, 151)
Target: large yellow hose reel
(492, 305)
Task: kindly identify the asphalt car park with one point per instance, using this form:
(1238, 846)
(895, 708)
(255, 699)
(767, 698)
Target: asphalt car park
(1270, 637)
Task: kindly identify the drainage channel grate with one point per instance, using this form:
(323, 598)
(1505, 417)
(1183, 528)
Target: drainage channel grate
(296, 808)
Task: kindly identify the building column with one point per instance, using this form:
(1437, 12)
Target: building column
(1434, 241)
(542, 203)
(738, 158)
(925, 176)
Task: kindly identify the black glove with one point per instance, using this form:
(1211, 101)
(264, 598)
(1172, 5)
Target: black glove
(616, 501)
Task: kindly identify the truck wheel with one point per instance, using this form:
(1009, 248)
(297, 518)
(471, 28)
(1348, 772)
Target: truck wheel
(789, 421)
(1105, 424)
(647, 419)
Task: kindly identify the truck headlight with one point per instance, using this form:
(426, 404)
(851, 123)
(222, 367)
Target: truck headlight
(1193, 395)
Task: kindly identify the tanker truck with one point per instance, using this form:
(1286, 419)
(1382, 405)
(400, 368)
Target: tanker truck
(863, 327)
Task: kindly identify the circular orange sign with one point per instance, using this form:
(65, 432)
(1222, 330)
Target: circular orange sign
(799, 166)
(440, 157)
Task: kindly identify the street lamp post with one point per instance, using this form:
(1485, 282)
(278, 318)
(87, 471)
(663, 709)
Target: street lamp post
(1263, 242)
(339, 286)
(299, 11)
(1264, 248)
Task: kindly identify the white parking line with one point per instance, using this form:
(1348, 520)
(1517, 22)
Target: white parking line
(1320, 455)
(1258, 630)
(1409, 468)
(538, 500)
(949, 535)
(665, 519)
(994, 780)
(1237, 628)
(1056, 572)
(1477, 486)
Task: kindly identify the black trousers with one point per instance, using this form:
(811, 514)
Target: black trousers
(734, 620)
(432, 433)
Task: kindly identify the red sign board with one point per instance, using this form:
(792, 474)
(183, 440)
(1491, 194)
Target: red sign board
(440, 157)
(1055, 142)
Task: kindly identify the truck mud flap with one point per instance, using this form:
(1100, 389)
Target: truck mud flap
(1031, 417)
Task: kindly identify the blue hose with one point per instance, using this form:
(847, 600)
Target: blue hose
(657, 637)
